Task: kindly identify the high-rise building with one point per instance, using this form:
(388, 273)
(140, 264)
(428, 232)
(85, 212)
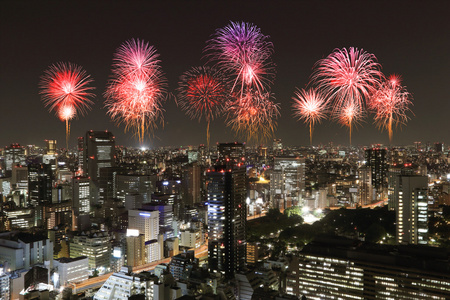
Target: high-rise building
(99, 148)
(96, 246)
(81, 158)
(165, 218)
(135, 184)
(192, 184)
(14, 155)
(394, 172)
(135, 248)
(80, 195)
(51, 147)
(231, 153)
(226, 219)
(365, 190)
(108, 183)
(412, 209)
(40, 179)
(376, 159)
(147, 222)
(287, 184)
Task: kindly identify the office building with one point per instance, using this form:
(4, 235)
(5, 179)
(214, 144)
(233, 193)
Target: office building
(14, 155)
(365, 190)
(135, 248)
(376, 159)
(71, 270)
(412, 209)
(287, 183)
(99, 152)
(339, 268)
(226, 190)
(80, 195)
(40, 179)
(135, 184)
(96, 246)
(147, 222)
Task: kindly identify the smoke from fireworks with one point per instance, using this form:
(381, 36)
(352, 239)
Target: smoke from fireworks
(309, 106)
(136, 91)
(348, 78)
(390, 104)
(241, 50)
(203, 92)
(65, 90)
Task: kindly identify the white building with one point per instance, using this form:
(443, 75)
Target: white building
(24, 250)
(96, 245)
(122, 285)
(71, 270)
(191, 238)
(147, 222)
(5, 291)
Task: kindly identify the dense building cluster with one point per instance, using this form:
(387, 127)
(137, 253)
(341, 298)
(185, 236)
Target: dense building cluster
(226, 222)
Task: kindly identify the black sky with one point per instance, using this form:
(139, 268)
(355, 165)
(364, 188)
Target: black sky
(411, 38)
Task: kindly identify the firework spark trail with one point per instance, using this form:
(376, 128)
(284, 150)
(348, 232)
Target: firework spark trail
(203, 92)
(241, 50)
(391, 103)
(349, 115)
(309, 106)
(137, 89)
(65, 90)
(253, 116)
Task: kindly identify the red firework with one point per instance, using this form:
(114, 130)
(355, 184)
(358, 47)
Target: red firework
(203, 92)
(136, 91)
(390, 104)
(311, 107)
(253, 115)
(65, 90)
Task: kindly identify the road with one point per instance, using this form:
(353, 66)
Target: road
(97, 282)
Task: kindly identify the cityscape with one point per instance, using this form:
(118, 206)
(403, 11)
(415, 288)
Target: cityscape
(227, 150)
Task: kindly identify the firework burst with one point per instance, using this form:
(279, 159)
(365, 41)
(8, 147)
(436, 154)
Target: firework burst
(349, 115)
(253, 115)
(203, 92)
(65, 90)
(137, 89)
(241, 50)
(311, 107)
(348, 76)
(390, 104)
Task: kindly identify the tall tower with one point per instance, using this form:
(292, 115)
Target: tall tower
(99, 148)
(376, 159)
(412, 209)
(226, 219)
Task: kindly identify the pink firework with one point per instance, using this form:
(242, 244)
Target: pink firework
(309, 106)
(65, 90)
(241, 50)
(348, 76)
(136, 91)
(391, 103)
(253, 115)
(349, 115)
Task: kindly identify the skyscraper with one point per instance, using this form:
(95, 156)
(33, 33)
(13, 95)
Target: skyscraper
(80, 195)
(40, 178)
(287, 183)
(98, 152)
(376, 159)
(412, 209)
(226, 219)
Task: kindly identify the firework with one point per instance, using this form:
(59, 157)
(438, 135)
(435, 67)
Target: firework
(253, 115)
(241, 50)
(65, 90)
(309, 106)
(136, 91)
(348, 76)
(203, 92)
(390, 104)
(350, 114)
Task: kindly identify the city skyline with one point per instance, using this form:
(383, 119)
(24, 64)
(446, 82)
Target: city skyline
(407, 38)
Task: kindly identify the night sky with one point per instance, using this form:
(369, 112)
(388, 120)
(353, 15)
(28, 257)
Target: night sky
(411, 38)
